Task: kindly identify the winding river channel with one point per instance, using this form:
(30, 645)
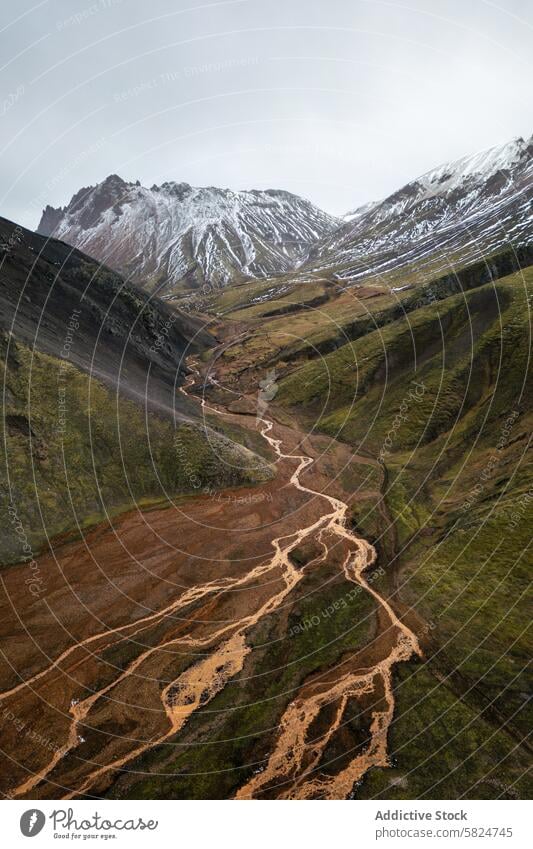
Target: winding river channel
(293, 767)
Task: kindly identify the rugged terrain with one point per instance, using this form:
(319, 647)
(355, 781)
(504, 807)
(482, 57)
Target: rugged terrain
(337, 609)
(434, 382)
(458, 213)
(175, 237)
(208, 633)
(274, 655)
(93, 420)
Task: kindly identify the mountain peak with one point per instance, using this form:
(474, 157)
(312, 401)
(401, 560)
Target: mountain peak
(472, 207)
(480, 165)
(176, 235)
(114, 180)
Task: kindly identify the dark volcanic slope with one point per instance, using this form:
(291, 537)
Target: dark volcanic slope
(84, 360)
(56, 299)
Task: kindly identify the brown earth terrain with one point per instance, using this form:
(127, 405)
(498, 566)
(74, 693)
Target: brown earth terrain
(148, 618)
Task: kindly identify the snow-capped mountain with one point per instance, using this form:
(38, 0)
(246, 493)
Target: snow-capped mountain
(173, 237)
(461, 211)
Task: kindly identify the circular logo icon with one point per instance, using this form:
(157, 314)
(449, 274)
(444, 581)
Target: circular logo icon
(32, 822)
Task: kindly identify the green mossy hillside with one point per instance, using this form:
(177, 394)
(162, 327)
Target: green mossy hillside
(74, 452)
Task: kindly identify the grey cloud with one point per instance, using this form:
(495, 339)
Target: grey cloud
(341, 101)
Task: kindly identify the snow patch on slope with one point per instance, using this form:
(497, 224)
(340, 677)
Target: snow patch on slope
(174, 232)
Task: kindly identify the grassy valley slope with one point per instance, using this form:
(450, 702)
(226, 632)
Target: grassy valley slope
(434, 383)
(94, 422)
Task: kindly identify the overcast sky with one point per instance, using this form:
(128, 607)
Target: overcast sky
(341, 101)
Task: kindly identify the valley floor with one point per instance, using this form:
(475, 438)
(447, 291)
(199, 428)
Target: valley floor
(149, 619)
(347, 628)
